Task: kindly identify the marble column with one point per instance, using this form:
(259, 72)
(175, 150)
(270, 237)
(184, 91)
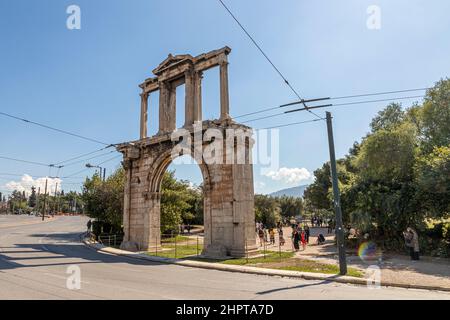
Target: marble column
(198, 96)
(224, 98)
(189, 98)
(144, 115)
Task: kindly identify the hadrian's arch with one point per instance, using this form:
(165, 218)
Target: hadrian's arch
(221, 148)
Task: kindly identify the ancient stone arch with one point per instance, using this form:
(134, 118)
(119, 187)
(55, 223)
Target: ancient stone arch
(227, 176)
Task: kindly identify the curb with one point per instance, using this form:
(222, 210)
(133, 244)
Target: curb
(253, 270)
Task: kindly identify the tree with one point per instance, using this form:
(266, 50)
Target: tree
(179, 203)
(290, 206)
(435, 117)
(104, 200)
(32, 199)
(432, 174)
(388, 154)
(267, 211)
(388, 118)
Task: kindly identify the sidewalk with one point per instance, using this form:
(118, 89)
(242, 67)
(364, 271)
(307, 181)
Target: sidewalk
(434, 272)
(402, 280)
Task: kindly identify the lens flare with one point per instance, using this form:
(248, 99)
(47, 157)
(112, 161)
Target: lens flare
(368, 251)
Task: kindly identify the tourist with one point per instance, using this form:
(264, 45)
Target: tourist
(303, 240)
(330, 226)
(307, 233)
(272, 236)
(280, 237)
(412, 242)
(266, 235)
(296, 239)
(320, 239)
(89, 225)
(261, 235)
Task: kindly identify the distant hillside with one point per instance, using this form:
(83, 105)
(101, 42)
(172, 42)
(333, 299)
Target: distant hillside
(290, 192)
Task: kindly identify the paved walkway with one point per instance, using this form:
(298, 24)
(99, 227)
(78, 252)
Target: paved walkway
(394, 267)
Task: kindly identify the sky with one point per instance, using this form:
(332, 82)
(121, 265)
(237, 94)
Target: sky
(86, 80)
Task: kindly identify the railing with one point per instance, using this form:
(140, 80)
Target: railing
(110, 240)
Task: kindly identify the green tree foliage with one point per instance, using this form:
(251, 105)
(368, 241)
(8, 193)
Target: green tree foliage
(435, 117)
(399, 175)
(179, 203)
(267, 210)
(433, 181)
(290, 206)
(32, 200)
(104, 200)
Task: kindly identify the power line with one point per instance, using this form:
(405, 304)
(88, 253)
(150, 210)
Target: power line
(331, 105)
(54, 129)
(26, 161)
(83, 155)
(379, 93)
(289, 124)
(83, 160)
(265, 56)
(81, 171)
(356, 102)
(329, 98)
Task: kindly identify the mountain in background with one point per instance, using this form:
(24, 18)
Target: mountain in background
(290, 192)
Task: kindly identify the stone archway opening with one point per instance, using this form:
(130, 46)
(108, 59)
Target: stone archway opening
(185, 174)
(221, 147)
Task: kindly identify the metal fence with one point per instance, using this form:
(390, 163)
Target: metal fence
(110, 240)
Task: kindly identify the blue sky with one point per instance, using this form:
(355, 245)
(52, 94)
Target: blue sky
(86, 80)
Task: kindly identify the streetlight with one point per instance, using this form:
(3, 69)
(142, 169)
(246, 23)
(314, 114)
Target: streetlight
(88, 165)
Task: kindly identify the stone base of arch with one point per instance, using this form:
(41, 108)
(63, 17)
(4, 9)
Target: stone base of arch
(229, 218)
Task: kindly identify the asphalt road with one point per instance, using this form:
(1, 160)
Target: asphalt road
(35, 257)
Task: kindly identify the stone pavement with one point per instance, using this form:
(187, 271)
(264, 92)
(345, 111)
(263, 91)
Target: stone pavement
(396, 268)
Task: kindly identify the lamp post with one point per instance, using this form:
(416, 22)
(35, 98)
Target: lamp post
(88, 165)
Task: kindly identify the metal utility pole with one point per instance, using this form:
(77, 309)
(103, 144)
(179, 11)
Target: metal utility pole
(56, 189)
(337, 200)
(45, 200)
(104, 174)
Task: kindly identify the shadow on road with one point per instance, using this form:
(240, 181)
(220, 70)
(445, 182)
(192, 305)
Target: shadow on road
(63, 251)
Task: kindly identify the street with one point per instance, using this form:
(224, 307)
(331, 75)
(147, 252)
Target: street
(34, 259)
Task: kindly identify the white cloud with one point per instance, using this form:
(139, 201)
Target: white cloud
(27, 181)
(289, 175)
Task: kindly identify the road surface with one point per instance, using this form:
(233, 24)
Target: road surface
(35, 257)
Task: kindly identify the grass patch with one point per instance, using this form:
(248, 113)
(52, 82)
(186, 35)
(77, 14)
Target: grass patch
(317, 267)
(271, 260)
(181, 251)
(271, 256)
(171, 240)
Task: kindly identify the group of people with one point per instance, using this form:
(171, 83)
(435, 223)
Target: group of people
(300, 236)
(316, 221)
(267, 235)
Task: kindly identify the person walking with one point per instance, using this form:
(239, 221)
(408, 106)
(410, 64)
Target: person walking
(280, 237)
(266, 235)
(303, 240)
(272, 236)
(261, 236)
(89, 225)
(307, 233)
(296, 239)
